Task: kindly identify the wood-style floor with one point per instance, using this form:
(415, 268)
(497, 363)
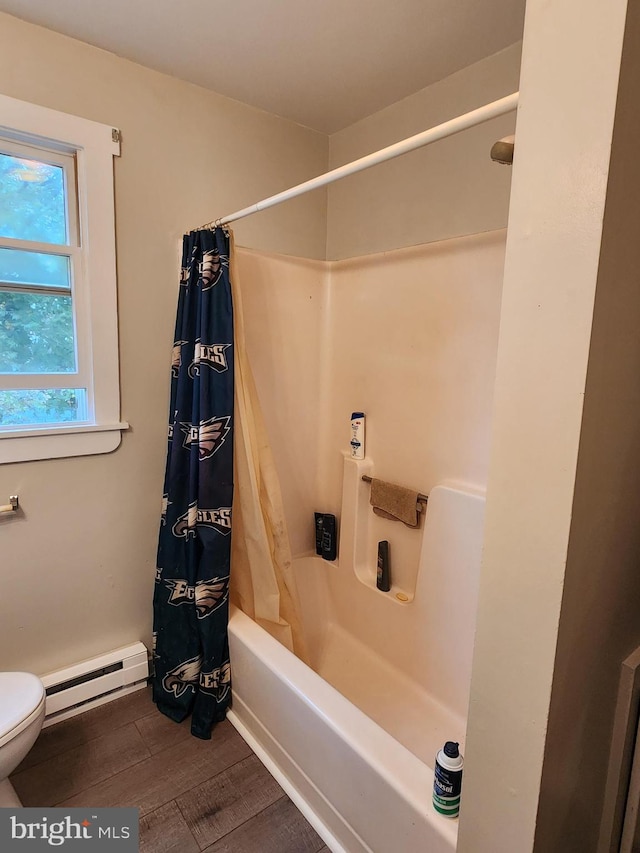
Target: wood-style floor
(193, 795)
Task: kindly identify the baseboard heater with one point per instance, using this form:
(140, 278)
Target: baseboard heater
(93, 682)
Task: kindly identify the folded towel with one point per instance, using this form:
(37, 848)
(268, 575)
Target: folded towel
(395, 502)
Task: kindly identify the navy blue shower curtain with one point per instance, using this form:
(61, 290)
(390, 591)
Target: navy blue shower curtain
(191, 597)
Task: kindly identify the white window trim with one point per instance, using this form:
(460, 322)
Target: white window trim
(94, 145)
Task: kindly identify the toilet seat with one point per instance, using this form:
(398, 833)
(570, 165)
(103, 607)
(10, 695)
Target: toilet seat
(22, 698)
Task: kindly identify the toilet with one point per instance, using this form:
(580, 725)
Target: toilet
(22, 699)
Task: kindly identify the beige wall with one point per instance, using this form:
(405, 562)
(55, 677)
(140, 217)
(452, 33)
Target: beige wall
(600, 615)
(448, 189)
(76, 571)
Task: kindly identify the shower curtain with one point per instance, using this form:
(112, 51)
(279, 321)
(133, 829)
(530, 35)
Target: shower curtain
(191, 598)
(262, 583)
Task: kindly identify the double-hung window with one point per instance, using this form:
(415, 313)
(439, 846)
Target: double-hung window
(59, 393)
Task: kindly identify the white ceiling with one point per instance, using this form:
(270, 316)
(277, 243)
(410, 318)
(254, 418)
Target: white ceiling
(324, 64)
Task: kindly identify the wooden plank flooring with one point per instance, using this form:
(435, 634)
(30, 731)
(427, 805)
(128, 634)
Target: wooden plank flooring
(194, 796)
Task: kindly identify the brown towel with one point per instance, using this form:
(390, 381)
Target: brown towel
(395, 502)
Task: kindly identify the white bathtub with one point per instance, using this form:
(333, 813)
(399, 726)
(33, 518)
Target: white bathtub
(353, 740)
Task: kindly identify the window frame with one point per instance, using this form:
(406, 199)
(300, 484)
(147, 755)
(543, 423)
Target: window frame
(93, 252)
(72, 249)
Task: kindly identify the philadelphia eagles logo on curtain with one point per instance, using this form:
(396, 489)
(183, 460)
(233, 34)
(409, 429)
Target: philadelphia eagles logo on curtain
(191, 597)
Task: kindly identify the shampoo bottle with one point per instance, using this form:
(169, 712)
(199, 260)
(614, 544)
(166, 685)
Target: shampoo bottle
(357, 435)
(383, 575)
(447, 782)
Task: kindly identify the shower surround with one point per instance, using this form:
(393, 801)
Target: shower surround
(410, 338)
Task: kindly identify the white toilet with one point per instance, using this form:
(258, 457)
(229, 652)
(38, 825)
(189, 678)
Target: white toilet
(22, 700)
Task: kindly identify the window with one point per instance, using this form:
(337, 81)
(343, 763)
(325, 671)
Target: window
(59, 393)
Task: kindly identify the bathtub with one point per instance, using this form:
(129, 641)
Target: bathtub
(352, 738)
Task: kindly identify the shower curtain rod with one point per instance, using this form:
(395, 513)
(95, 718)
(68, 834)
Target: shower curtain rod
(440, 131)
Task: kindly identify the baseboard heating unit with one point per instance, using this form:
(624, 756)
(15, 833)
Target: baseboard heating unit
(93, 682)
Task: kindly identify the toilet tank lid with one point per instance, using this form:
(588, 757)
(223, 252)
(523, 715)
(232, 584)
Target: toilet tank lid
(20, 695)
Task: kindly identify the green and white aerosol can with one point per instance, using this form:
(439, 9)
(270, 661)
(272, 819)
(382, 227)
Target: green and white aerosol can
(447, 782)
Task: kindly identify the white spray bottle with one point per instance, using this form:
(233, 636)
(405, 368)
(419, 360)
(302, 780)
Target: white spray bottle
(357, 435)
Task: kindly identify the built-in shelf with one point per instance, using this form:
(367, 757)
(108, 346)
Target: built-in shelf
(358, 543)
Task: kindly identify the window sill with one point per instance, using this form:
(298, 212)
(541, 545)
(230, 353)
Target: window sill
(58, 442)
